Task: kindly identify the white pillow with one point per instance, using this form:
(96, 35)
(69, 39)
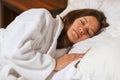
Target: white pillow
(84, 46)
(80, 4)
(102, 61)
(111, 10)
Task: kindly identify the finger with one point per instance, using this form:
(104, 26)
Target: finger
(77, 55)
(76, 65)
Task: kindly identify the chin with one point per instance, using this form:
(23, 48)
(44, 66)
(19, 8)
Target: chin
(73, 41)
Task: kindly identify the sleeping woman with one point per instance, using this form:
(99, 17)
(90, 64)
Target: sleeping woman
(78, 25)
(28, 48)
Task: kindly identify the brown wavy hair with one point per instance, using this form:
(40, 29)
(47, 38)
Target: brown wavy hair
(68, 19)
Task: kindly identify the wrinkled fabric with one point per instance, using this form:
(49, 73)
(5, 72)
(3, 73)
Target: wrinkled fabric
(28, 46)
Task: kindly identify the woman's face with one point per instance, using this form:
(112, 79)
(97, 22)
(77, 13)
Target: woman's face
(83, 28)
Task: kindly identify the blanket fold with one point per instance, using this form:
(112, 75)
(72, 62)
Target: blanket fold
(29, 44)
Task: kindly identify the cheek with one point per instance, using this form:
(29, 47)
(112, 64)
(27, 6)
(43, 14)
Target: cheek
(71, 36)
(74, 26)
(69, 33)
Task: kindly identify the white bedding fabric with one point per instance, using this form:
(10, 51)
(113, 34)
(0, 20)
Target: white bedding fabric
(102, 62)
(27, 46)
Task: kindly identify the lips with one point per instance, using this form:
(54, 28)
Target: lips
(77, 33)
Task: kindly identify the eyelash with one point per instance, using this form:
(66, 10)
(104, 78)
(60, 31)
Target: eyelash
(89, 33)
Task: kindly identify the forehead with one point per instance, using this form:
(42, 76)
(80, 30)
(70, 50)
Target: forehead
(91, 19)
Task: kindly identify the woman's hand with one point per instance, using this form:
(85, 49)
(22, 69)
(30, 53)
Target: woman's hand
(66, 59)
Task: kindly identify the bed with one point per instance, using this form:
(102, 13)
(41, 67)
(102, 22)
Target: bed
(100, 63)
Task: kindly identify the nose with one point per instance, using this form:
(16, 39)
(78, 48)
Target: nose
(83, 30)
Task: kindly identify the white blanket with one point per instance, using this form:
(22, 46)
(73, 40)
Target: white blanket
(102, 62)
(28, 46)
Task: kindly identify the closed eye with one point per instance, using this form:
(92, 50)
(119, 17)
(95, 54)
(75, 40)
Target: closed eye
(90, 33)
